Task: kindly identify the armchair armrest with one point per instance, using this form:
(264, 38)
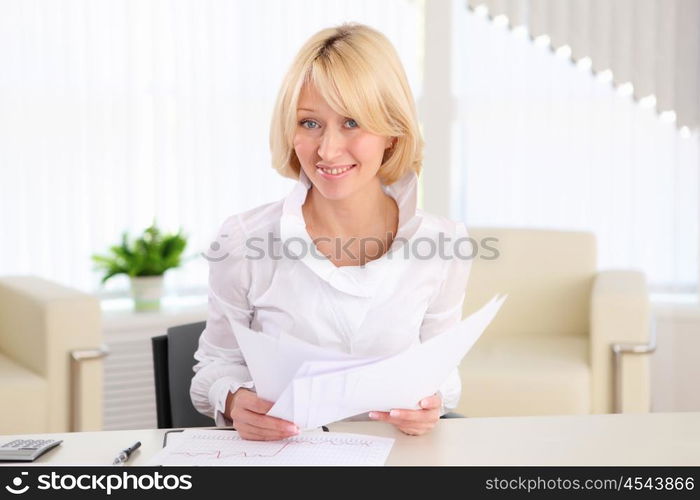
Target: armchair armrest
(621, 341)
(85, 387)
(41, 324)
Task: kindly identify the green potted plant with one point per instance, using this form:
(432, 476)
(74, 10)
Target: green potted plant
(145, 261)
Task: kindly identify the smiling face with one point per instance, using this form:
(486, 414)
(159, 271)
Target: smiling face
(337, 155)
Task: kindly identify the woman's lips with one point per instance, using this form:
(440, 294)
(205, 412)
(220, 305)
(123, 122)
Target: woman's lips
(334, 173)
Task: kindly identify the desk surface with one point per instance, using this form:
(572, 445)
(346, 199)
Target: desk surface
(630, 439)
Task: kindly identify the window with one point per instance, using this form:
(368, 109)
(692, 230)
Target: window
(545, 143)
(113, 113)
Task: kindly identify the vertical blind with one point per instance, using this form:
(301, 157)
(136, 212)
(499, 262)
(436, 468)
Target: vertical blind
(113, 113)
(547, 143)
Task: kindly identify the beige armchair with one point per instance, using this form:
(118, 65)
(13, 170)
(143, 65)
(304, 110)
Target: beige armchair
(50, 358)
(568, 340)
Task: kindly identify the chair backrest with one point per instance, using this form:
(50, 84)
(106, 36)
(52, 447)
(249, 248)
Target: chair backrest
(173, 359)
(547, 274)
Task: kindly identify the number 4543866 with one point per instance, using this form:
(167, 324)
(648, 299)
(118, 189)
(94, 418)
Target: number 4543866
(659, 483)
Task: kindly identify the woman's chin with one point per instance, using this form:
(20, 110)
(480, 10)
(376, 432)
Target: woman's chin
(341, 186)
(338, 187)
(335, 193)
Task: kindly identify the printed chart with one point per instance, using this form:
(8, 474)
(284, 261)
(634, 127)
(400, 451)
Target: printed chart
(221, 447)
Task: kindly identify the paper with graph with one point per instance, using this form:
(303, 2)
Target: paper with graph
(225, 447)
(313, 386)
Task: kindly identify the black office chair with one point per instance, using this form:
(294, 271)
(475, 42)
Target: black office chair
(173, 359)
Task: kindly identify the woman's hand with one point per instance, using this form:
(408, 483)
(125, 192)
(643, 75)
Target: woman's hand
(413, 422)
(247, 411)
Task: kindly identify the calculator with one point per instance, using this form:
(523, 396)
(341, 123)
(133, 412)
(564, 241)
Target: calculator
(26, 450)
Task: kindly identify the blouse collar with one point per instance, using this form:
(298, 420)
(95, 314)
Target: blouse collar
(361, 281)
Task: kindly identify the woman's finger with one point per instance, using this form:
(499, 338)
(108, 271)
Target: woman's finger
(431, 402)
(420, 425)
(256, 434)
(379, 415)
(269, 433)
(400, 416)
(250, 423)
(267, 422)
(254, 403)
(248, 400)
(415, 415)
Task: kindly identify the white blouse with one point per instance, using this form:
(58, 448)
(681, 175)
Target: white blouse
(265, 271)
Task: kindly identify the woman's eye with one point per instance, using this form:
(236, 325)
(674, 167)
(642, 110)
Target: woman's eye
(311, 125)
(303, 123)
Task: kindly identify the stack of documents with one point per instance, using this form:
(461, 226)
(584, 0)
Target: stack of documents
(313, 386)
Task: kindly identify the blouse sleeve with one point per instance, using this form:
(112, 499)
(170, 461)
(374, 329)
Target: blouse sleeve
(221, 368)
(445, 310)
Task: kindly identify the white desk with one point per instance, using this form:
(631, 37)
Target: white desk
(632, 439)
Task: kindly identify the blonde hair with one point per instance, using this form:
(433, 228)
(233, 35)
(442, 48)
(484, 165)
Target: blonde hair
(357, 71)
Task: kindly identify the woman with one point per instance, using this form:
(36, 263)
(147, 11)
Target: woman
(345, 261)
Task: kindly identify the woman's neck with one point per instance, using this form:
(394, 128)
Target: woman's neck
(367, 213)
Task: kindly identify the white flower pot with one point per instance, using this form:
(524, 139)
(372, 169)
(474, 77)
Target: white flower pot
(146, 292)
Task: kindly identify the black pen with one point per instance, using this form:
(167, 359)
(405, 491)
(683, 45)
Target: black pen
(125, 454)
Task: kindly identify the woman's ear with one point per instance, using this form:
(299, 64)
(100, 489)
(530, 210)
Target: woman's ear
(389, 150)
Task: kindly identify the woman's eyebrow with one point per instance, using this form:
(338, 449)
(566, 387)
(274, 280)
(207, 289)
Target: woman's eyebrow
(306, 109)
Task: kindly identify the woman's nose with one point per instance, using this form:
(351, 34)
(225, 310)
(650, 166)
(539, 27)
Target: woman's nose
(332, 143)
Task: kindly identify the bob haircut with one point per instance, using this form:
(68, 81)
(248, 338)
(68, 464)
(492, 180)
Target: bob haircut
(357, 71)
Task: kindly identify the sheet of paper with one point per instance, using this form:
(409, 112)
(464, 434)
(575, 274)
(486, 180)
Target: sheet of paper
(224, 447)
(313, 386)
(273, 360)
(400, 381)
(294, 403)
